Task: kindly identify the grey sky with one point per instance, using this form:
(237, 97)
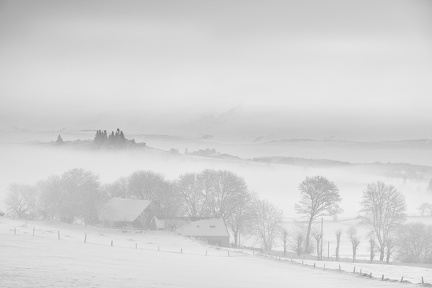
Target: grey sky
(353, 69)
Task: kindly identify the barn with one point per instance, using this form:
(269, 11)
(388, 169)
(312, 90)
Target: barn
(211, 230)
(133, 213)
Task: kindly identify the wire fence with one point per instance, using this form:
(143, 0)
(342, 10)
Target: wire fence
(393, 273)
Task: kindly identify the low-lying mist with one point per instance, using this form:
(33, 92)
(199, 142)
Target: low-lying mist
(27, 164)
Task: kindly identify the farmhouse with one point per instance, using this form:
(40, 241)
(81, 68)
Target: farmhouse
(135, 213)
(211, 230)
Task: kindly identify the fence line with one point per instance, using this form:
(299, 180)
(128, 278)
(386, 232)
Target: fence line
(241, 252)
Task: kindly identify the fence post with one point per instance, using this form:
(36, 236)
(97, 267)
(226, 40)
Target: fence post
(14, 231)
(354, 270)
(33, 231)
(58, 234)
(370, 275)
(136, 245)
(401, 279)
(112, 243)
(85, 238)
(422, 280)
(339, 267)
(181, 250)
(314, 264)
(382, 278)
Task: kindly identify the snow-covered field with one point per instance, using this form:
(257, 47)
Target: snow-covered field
(45, 261)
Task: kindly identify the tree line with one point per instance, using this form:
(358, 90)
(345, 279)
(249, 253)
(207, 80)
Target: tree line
(77, 195)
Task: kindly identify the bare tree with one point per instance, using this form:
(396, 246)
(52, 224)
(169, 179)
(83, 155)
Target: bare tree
(120, 188)
(21, 200)
(228, 192)
(50, 197)
(338, 239)
(266, 224)
(355, 241)
(239, 221)
(414, 243)
(319, 197)
(145, 185)
(193, 196)
(383, 208)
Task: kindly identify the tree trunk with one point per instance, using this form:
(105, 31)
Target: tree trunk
(382, 253)
(307, 236)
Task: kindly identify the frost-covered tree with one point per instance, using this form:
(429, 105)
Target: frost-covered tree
(414, 243)
(319, 197)
(267, 219)
(383, 209)
(21, 201)
(192, 194)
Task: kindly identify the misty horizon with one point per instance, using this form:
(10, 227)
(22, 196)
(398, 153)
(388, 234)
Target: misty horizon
(359, 75)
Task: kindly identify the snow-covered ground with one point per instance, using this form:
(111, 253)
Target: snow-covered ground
(45, 261)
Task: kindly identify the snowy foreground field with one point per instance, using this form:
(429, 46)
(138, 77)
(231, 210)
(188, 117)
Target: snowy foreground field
(149, 259)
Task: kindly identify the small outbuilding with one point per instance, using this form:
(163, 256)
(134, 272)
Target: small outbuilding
(211, 230)
(134, 213)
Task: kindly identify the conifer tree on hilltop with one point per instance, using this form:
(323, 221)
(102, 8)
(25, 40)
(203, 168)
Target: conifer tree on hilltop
(59, 140)
(116, 139)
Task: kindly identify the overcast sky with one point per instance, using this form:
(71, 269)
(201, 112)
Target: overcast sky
(350, 69)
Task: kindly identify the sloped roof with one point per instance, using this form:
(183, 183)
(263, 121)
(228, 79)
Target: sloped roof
(204, 228)
(122, 210)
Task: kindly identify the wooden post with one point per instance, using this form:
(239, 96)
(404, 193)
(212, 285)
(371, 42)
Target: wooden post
(422, 280)
(382, 278)
(354, 270)
(58, 235)
(136, 245)
(370, 275)
(33, 231)
(14, 231)
(158, 248)
(401, 279)
(112, 243)
(181, 250)
(85, 238)
(328, 250)
(322, 239)
(314, 264)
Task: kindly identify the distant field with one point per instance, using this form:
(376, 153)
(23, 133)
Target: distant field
(45, 261)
